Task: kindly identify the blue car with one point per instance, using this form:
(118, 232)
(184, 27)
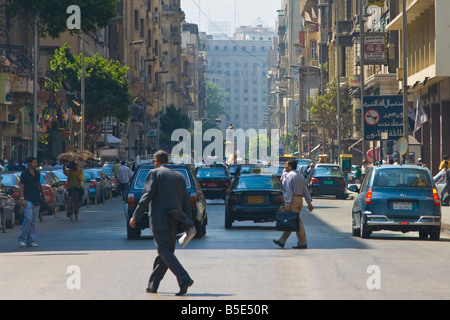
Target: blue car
(397, 198)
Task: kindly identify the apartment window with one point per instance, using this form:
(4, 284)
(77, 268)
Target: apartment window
(136, 19)
(313, 44)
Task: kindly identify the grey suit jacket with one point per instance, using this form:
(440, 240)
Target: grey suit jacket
(164, 190)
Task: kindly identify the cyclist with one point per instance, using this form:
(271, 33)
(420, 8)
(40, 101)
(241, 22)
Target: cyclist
(75, 178)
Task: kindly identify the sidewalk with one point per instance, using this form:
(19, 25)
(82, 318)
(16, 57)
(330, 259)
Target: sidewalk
(445, 221)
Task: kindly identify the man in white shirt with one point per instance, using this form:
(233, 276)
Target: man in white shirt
(124, 177)
(295, 190)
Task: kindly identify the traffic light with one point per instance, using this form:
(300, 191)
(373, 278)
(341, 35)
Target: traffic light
(346, 163)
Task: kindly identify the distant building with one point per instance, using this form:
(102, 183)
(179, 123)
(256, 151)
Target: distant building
(240, 67)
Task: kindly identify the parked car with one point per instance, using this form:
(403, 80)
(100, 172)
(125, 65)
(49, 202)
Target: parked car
(328, 179)
(214, 181)
(100, 175)
(397, 198)
(254, 197)
(10, 182)
(63, 181)
(58, 188)
(112, 178)
(96, 186)
(445, 197)
(49, 196)
(197, 199)
(7, 204)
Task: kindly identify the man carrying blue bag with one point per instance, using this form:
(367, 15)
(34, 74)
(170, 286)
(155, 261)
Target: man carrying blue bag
(295, 190)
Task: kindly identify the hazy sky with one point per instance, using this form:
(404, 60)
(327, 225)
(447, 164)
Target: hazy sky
(248, 11)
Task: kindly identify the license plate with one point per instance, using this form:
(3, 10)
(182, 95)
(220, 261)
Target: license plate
(402, 205)
(328, 182)
(212, 184)
(255, 199)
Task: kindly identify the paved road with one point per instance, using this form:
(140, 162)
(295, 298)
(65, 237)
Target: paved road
(92, 259)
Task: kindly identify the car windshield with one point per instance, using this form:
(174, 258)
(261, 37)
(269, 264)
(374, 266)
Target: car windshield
(327, 171)
(8, 180)
(142, 176)
(107, 170)
(60, 174)
(402, 178)
(211, 172)
(259, 182)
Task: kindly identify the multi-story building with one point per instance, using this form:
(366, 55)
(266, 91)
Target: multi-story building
(428, 69)
(193, 77)
(240, 67)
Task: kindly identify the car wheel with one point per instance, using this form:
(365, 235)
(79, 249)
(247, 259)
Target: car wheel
(228, 220)
(355, 230)
(364, 231)
(435, 234)
(423, 234)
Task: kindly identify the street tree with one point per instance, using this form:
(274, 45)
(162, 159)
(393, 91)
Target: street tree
(52, 14)
(107, 88)
(323, 110)
(172, 119)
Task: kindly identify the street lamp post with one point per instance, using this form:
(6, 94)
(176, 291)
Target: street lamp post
(131, 43)
(159, 103)
(145, 103)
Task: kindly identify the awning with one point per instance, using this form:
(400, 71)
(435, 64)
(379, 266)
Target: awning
(110, 138)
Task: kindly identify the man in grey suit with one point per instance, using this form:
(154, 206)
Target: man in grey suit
(164, 192)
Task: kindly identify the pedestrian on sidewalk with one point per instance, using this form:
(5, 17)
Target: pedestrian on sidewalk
(31, 196)
(124, 177)
(164, 192)
(295, 190)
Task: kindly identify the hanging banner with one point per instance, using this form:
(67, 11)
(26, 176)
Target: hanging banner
(375, 48)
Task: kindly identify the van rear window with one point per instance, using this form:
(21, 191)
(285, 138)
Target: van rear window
(402, 178)
(142, 176)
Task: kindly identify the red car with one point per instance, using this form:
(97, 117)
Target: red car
(49, 196)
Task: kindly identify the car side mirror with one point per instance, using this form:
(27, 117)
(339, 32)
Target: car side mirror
(353, 188)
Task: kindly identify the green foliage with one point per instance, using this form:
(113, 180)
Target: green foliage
(215, 96)
(324, 111)
(107, 89)
(172, 119)
(52, 14)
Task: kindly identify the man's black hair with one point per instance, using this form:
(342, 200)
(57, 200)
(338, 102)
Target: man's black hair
(293, 164)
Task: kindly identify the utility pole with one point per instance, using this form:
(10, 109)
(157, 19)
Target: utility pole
(405, 84)
(362, 76)
(338, 97)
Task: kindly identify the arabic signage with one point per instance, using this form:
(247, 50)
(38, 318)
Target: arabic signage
(383, 114)
(375, 48)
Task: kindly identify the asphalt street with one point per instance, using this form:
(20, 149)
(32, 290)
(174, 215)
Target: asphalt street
(92, 259)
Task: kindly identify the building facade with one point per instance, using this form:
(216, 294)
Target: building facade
(240, 67)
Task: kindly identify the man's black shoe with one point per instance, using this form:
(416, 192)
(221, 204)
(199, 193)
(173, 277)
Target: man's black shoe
(300, 247)
(184, 287)
(278, 243)
(148, 290)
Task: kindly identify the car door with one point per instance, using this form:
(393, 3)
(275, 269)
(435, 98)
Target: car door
(359, 201)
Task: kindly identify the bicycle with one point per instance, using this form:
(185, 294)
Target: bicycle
(73, 203)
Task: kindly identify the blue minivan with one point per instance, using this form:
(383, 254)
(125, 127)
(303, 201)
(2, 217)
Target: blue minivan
(397, 198)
